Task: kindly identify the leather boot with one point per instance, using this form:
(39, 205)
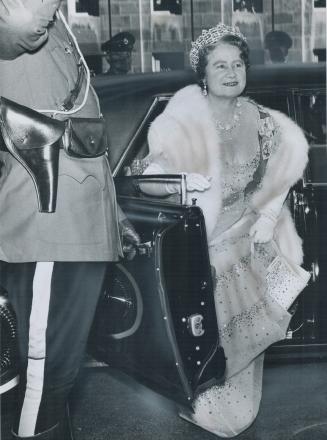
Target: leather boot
(51, 434)
(61, 431)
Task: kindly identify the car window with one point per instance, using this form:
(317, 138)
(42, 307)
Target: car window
(311, 111)
(138, 148)
(123, 116)
(312, 115)
(272, 100)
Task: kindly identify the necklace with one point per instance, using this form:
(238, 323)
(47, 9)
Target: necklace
(228, 127)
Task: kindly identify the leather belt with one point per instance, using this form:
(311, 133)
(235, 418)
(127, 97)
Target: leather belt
(35, 140)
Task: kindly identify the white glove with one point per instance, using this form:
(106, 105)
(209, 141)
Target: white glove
(194, 182)
(262, 230)
(197, 182)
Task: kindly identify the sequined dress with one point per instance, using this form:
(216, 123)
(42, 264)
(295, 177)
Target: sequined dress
(249, 318)
(254, 285)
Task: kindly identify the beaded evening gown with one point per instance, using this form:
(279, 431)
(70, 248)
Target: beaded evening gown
(253, 284)
(249, 318)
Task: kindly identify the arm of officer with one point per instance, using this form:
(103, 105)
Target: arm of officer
(24, 28)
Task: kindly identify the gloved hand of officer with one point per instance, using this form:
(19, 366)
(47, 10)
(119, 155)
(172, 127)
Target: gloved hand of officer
(130, 238)
(24, 28)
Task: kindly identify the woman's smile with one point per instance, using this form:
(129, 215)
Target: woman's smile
(231, 83)
(225, 71)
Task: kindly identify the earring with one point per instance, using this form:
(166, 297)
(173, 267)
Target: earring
(204, 89)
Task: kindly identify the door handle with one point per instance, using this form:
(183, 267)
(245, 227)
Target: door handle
(194, 325)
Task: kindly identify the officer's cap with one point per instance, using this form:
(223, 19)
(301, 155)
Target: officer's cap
(278, 39)
(121, 42)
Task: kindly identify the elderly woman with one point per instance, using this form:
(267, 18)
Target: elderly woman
(241, 160)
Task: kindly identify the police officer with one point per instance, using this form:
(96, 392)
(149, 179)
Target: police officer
(278, 44)
(119, 53)
(58, 213)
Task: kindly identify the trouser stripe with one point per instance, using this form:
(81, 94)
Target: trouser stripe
(36, 348)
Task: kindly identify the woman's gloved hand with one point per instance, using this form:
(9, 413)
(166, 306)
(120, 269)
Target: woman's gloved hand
(197, 182)
(262, 231)
(130, 238)
(194, 182)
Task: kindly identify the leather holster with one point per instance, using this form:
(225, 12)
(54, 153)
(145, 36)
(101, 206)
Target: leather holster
(34, 140)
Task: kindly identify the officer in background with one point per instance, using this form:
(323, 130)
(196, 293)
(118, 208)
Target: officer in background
(278, 44)
(119, 53)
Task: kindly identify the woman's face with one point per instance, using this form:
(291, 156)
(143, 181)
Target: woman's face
(225, 72)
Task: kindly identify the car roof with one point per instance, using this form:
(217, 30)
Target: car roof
(272, 76)
(289, 75)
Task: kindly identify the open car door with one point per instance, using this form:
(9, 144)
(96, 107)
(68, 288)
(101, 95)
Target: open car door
(156, 318)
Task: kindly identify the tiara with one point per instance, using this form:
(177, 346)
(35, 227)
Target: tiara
(209, 37)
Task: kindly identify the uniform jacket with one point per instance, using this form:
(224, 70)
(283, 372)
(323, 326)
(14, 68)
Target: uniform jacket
(84, 226)
(184, 139)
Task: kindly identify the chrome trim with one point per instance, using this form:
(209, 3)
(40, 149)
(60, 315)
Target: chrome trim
(168, 318)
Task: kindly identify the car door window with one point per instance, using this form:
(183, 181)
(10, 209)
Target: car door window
(138, 148)
(311, 115)
(271, 99)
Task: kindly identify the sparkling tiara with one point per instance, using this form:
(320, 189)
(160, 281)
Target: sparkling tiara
(209, 37)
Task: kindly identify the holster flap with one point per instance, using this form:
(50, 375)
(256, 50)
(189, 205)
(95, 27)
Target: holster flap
(28, 128)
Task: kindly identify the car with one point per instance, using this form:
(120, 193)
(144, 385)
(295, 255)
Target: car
(155, 319)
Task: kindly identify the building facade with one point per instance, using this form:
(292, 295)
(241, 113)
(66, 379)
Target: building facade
(164, 29)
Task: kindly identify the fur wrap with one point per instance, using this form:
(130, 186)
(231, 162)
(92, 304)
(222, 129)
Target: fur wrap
(184, 139)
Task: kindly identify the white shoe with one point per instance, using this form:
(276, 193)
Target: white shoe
(189, 417)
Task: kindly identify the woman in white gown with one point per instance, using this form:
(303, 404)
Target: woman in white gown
(240, 160)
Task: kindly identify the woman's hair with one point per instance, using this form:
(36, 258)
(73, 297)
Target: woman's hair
(233, 40)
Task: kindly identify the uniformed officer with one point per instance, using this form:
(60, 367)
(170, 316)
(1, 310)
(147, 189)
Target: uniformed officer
(58, 213)
(119, 53)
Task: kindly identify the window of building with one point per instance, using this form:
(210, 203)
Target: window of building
(172, 6)
(89, 6)
(319, 3)
(248, 5)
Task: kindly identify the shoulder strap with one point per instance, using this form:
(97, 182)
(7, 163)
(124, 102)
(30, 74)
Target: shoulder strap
(266, 133)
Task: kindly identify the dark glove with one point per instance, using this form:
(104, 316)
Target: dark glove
(130, 238)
